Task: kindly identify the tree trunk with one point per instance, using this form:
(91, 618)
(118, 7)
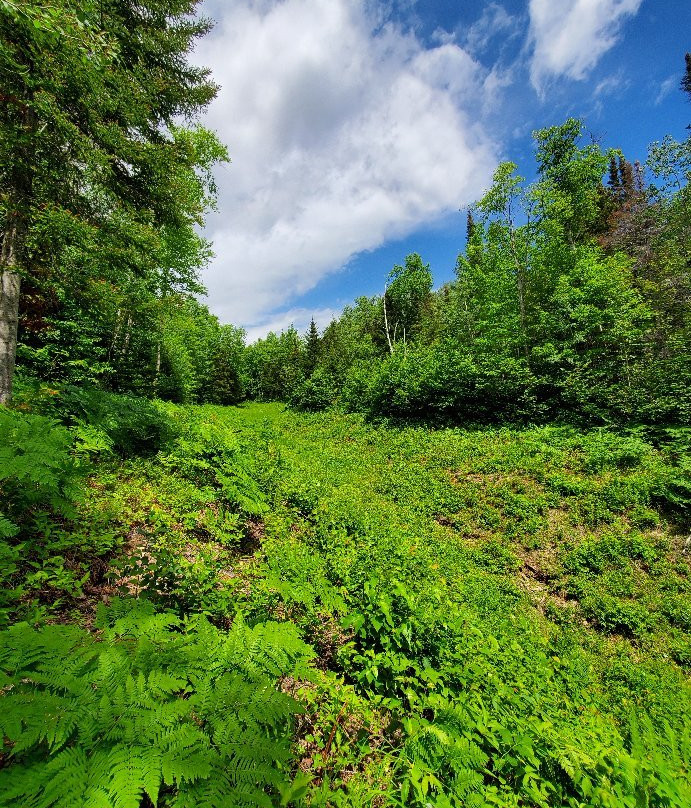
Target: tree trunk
(386, 324)
(9, 310)
(19, 190)
(157, 376)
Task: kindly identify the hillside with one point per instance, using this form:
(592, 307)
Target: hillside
(314, 493)
(462, 617)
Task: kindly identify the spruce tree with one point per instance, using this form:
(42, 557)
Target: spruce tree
(614, 182)
(626, 179)
(686, 81)
(312, 348)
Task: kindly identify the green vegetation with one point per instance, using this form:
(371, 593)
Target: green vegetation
(441, 559)
(571, 303)
(502, 619)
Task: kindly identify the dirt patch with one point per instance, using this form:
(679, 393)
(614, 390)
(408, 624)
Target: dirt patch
(327, 638)
(539, 574)
(322, 736)
(254, 532)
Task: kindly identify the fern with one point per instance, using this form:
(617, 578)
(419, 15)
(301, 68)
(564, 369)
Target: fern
(174, 711)
(36, 466)
(439, 759)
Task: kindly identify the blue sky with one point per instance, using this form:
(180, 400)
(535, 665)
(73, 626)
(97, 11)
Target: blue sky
(359, 130)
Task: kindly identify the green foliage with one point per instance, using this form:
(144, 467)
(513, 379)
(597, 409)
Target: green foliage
(485, 620)
(130, 426)
(37, 472)
(210, 455)
(274, 366)
(407, 293)
(315, 393)
(570, 303)
(501, 616)
(179, 712)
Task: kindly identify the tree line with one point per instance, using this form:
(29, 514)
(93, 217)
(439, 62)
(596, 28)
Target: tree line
(572, 295)
(105, 180)
(572, 300)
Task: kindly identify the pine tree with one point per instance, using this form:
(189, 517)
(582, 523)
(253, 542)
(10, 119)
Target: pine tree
(686, 81)
(227, 367)
(626, 178)
(614, 182)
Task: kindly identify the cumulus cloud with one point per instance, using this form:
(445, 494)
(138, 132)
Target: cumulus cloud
(345, 131)
(568, 37)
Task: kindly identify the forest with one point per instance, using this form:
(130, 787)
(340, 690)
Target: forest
(434, 555)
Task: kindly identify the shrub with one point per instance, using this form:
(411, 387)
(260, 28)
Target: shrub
(128, 425)
(37, 470)
(317, 392)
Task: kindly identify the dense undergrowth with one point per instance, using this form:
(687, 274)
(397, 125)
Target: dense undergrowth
(247, 606)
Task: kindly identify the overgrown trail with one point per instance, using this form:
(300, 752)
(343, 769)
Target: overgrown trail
(491, 601)
(498, 618)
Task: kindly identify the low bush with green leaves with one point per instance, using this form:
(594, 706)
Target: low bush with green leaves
(39, 483)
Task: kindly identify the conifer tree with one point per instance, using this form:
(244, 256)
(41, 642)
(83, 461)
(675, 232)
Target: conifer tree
(686, 81)
(626, 178)
(614, 181)
(312, 348)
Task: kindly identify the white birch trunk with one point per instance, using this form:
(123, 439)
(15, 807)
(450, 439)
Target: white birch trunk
(10, 283)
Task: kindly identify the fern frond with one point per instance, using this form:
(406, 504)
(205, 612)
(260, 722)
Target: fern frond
(179, 705)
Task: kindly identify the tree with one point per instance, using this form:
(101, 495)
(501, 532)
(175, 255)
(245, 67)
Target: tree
(226, 385)
(408, 290)
(686, 80)
(614, 181)
(312, 348)
(88, 144)
(469, 226)
(274, 365)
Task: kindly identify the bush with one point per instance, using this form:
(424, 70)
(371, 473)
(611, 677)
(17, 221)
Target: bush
(210, 455)
(126, 425)
(443, 383)
(38, 473)
(39, 479)
(317, 392)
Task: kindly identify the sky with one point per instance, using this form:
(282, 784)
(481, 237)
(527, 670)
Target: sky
(360, 130)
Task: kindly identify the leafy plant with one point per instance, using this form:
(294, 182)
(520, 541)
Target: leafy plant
(156, 707)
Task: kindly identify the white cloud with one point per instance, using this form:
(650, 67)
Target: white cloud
(665, 88)
(493, 22)
(616, 83)
(297, 317)
(569, 36)
(344, 132)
